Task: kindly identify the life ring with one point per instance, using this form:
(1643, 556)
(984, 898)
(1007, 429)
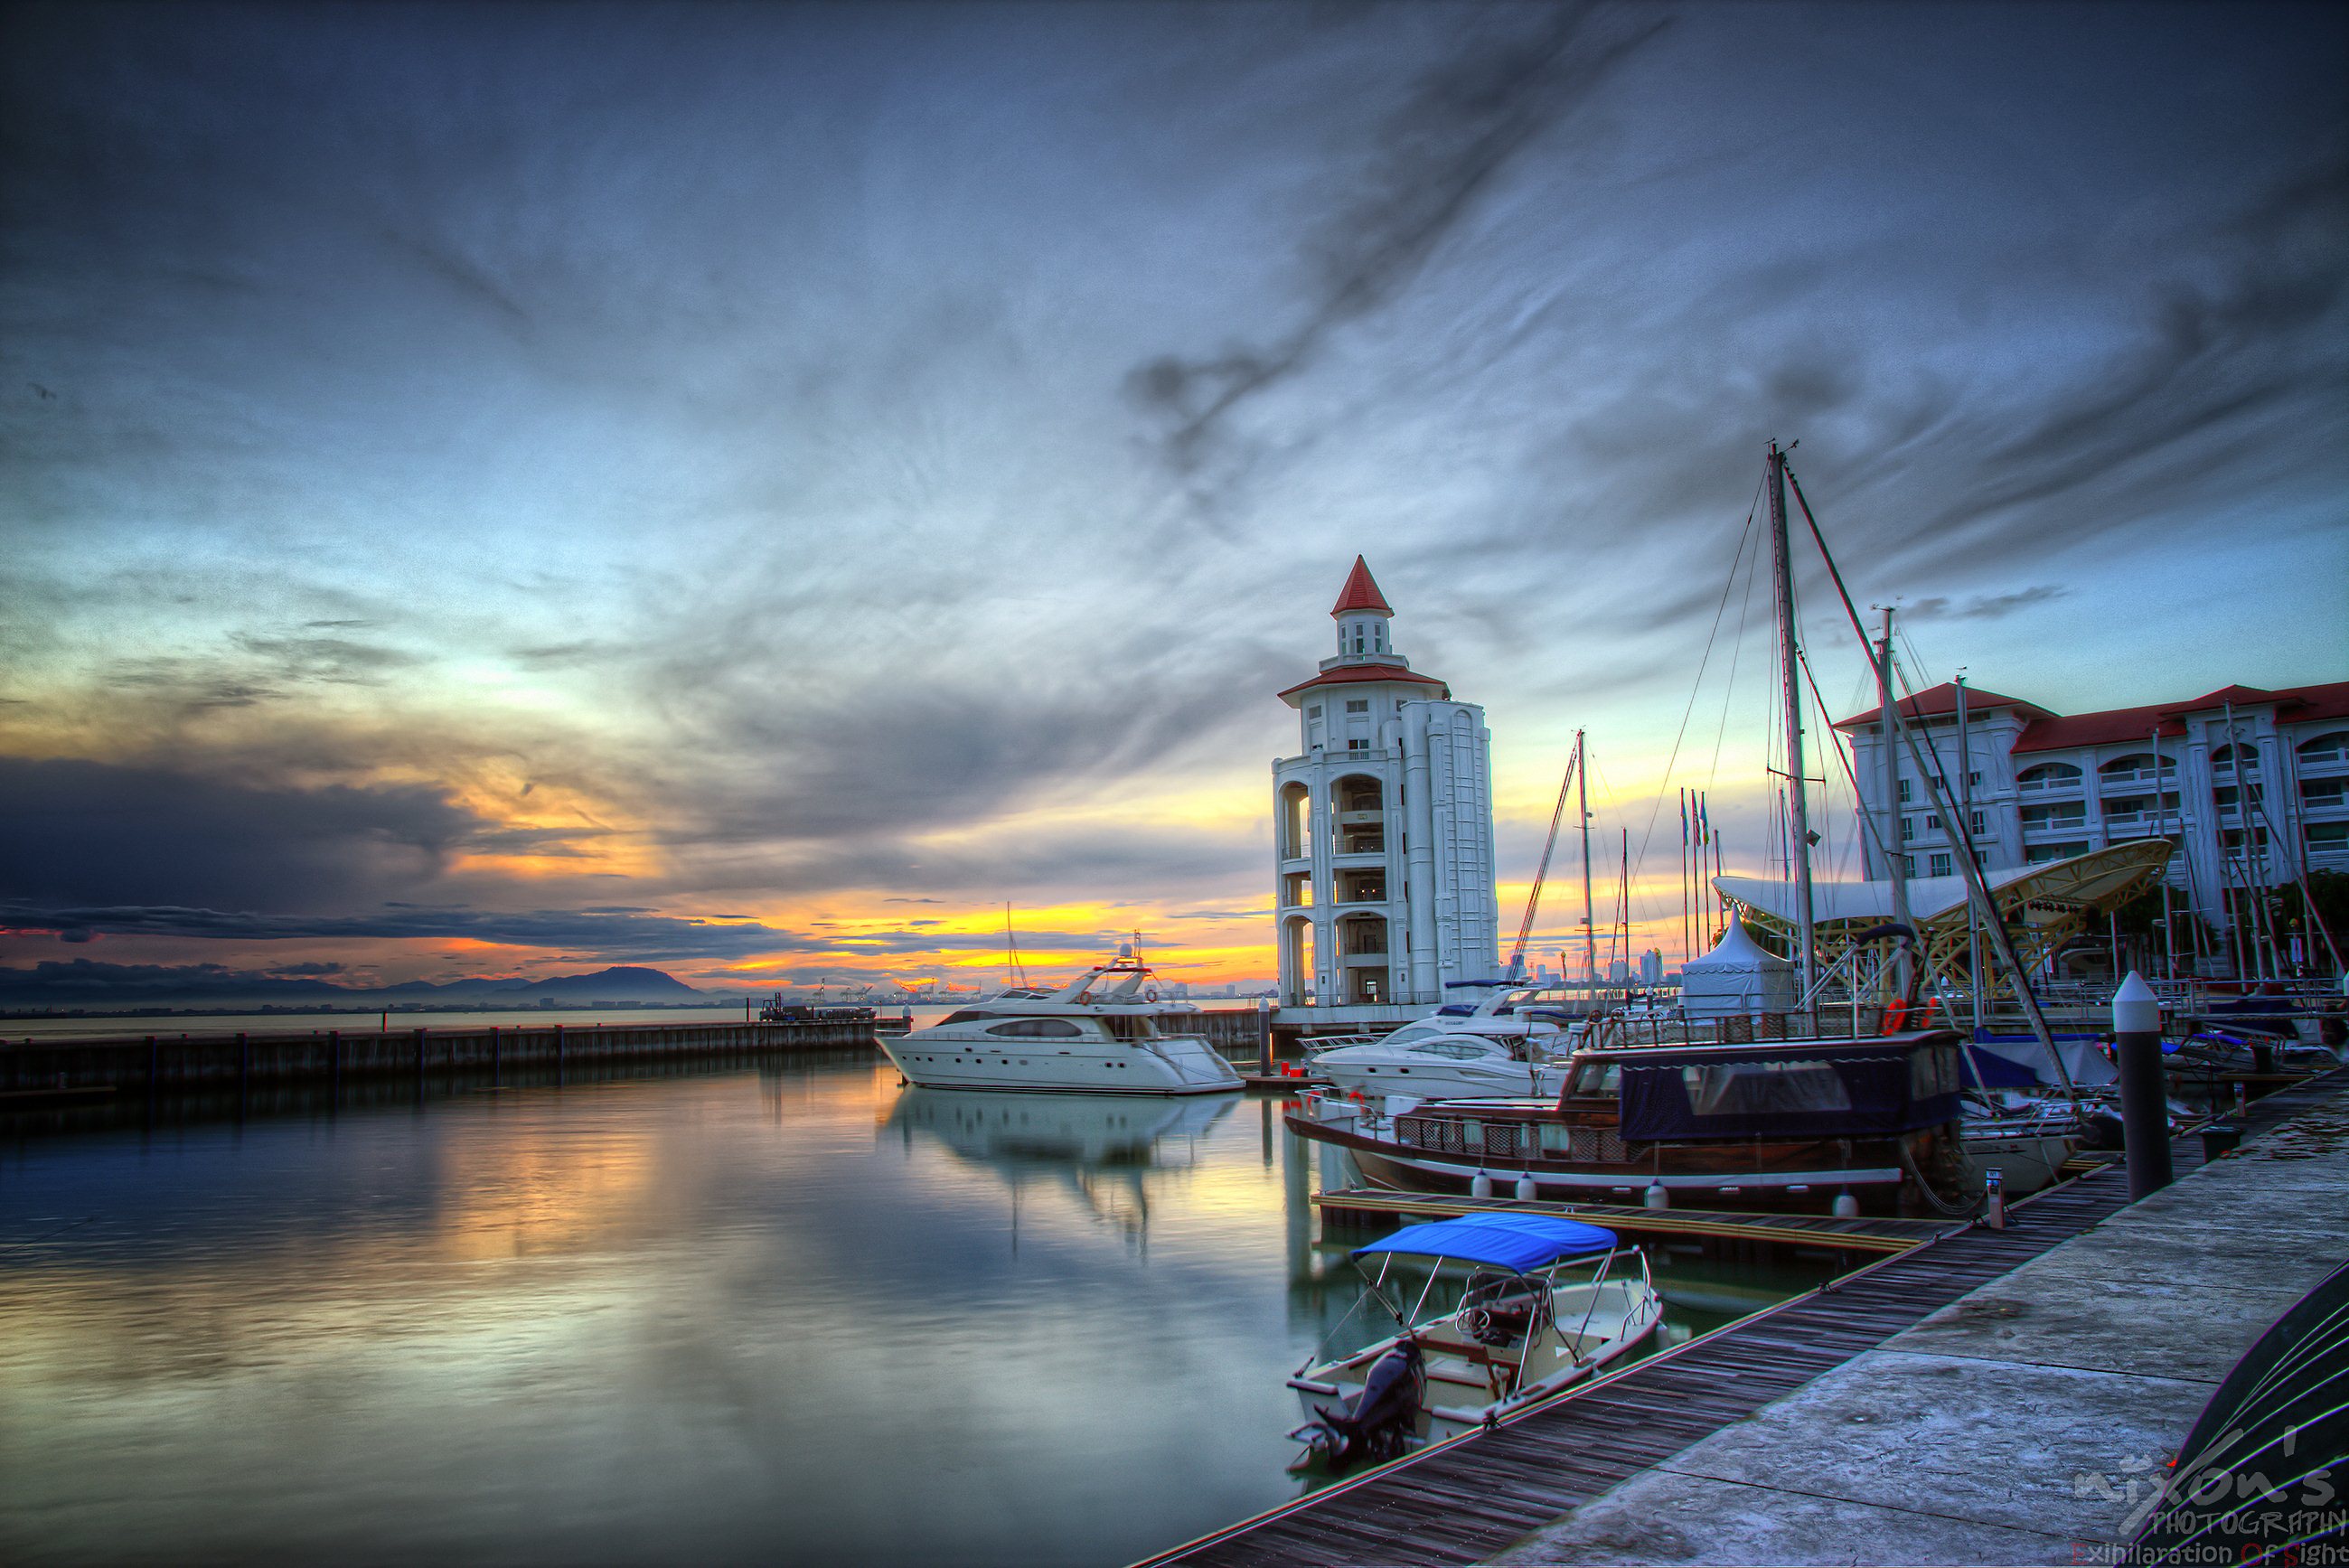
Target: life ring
(1150, 993)
(1895, 1016)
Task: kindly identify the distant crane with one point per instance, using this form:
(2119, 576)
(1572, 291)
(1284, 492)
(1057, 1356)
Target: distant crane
(1541, 873)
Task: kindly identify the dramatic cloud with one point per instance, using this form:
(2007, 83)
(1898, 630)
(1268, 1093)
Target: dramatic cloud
(537, 476)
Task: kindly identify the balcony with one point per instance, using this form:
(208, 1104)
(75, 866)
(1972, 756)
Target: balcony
(2052, 822)
(2049, 784)
(2139, 776)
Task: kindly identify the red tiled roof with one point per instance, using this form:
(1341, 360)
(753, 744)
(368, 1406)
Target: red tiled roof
(2108, 729)
(1347, 675)
(1935, 701)
(2330, 700)
(1361, 593)
(2294, 705)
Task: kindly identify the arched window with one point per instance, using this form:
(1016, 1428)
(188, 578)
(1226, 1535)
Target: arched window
(1357, 792)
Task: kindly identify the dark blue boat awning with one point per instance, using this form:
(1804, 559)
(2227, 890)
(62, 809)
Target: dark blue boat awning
(1519, 1242)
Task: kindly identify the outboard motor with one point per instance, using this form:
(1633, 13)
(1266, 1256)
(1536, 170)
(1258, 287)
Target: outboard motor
(1372, 1427)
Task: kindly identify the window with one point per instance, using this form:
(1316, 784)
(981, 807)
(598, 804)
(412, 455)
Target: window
(1932, 824)
(1904, 791)
(1908, 865)
(1358, 705)
(1974, 778)
(1039, 1029)
(1908, 828)
(1762, 1089)
(1936, 865)
(1358, 744)
(2328, 835)
(1313, 710)
(1978, 823)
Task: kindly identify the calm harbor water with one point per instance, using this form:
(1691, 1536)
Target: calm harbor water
(794, 1313)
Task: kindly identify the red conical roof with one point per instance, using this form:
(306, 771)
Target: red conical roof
(1361, 593)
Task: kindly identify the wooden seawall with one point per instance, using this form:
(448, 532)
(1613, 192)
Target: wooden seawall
(165, 1063)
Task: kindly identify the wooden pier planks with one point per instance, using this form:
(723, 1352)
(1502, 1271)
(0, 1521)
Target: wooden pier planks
(1467, 1500)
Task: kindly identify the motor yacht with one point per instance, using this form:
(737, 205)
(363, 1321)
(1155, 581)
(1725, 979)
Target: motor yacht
(1505, 1045)
(1097, 1035)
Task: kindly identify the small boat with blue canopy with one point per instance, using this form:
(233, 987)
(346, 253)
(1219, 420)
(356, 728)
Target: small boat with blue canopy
(1543, 1303)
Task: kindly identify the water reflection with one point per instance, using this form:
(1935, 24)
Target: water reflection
(784, 1311)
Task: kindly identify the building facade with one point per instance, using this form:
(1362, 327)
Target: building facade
(2252, 787)
(1383, 827)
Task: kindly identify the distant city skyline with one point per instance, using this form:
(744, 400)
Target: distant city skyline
(754, 490)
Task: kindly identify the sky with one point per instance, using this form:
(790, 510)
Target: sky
(756, 489)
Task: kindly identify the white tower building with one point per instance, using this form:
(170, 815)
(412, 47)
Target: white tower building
(1383, 827)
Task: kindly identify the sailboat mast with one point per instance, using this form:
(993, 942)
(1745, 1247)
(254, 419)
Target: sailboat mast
(1896, 859)
(1582, 809)
(1783, 558)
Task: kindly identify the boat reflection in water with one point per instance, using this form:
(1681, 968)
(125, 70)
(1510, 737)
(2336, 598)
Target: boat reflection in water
(1098, 1147)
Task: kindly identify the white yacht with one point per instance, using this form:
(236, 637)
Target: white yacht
(1097, 1035)
(1507, 1045)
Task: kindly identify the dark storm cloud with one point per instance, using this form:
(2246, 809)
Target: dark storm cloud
(90, 833)
(1514, 75)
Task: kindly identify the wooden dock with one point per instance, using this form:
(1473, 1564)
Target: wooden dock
(1861, 1234)
(1463, 1500)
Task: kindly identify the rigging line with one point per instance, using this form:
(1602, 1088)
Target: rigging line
(1729, 689)
(1916, 659)
(1727, 584)
(1843, 756)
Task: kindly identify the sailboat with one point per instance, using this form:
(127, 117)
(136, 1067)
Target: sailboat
(1816, 1120)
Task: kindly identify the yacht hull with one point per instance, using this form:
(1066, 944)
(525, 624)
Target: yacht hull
(1787, 1180)
(1194, 1067)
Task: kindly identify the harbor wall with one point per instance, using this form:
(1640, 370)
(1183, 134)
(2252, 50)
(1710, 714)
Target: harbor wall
(168, 1063)
(147, 1063)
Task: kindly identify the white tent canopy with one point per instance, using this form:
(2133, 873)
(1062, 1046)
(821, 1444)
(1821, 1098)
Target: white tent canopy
(1739, 976)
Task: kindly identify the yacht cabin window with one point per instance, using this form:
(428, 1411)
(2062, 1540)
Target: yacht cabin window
(1038, 1029)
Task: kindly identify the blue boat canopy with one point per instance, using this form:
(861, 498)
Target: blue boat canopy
(1519, 1242)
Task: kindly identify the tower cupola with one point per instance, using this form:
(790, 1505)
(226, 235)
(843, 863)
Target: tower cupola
(1361, 613)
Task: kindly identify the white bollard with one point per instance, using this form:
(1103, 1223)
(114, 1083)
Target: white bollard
(1482, 1187)
(1656, 1197)
(1527, 1190)
(1847, 1207)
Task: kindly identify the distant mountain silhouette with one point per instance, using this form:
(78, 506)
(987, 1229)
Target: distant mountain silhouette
(86, 983)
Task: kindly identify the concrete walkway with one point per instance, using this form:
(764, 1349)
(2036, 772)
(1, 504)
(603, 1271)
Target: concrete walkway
(2026, 1422)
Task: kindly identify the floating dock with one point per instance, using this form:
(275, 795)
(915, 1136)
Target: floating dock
(1862, 1233)
(1479, 1495)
